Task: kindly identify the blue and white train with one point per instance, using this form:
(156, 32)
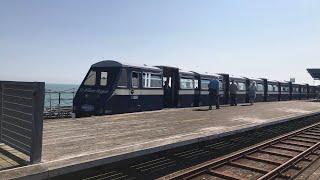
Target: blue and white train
(111, 87)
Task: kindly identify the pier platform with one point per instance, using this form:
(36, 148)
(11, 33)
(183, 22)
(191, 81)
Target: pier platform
(74, 144)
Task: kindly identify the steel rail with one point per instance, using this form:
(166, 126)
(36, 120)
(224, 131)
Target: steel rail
(229, 160)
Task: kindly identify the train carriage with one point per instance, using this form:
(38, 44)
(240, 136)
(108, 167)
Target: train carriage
(295, 91)
(182, 87)
(261, 92)
(313, 92)
(273, 93)
(285, 93)
(242, 83)
(188, 89)
(111, 87)
(203, 82)
(304, 91)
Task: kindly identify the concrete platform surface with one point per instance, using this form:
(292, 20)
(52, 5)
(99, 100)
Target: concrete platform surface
(67, 143)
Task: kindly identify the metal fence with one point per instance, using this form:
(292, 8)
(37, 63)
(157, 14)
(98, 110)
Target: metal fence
(58, 103)
(21, 118)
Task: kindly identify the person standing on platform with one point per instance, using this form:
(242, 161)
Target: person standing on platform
(213, 87)
(233, 93)
(252, 92)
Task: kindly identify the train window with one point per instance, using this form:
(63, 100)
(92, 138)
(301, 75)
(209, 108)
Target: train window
(151, 80)
(285, 89)
(91, 79)
(275, 88)
(103, 78)
(260, 87)
(220, 85)
(186, 83)
(156, 81)
(270, 88)
(145, 80)
(204, 83)
(123, 80)
(196, 84)
(135, 80)
(165, 79)
(241, 86)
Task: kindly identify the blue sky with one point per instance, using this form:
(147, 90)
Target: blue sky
(57, 41)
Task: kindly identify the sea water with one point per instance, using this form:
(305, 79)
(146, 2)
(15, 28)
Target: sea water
(66, 91)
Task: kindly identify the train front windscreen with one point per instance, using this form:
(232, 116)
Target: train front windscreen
(93, 93)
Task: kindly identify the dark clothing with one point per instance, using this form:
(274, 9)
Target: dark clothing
(214, 93)
(214, 84)
(252, 93)
(214, 99)
(233, 89)
(167, 95)
(233, 94)
(233, 98)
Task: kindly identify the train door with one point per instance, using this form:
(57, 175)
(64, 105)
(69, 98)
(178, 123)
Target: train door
(171, 86)
(197, 91)
(247, 84)
(265, 90)
(134, 92)
(226, 83)
(290, 91)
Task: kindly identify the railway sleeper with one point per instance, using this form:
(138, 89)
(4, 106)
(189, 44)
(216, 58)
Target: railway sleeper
(277, 163)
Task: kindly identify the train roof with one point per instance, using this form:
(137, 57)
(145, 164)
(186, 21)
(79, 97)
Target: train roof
(206, 73)
(112, 63)
(295, 84)
(272, 80)
(254, 79)
(236, 76)
(185, 71)
(161, 67)
(284, 82)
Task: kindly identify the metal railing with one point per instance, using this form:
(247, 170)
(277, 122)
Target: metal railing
(21, 117)
(58, 104)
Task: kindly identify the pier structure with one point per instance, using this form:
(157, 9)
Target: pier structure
(72, 145)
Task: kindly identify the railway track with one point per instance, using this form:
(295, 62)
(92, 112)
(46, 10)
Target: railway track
(284, 157)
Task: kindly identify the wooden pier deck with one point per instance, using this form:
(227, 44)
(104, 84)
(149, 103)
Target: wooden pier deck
(75, 144)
